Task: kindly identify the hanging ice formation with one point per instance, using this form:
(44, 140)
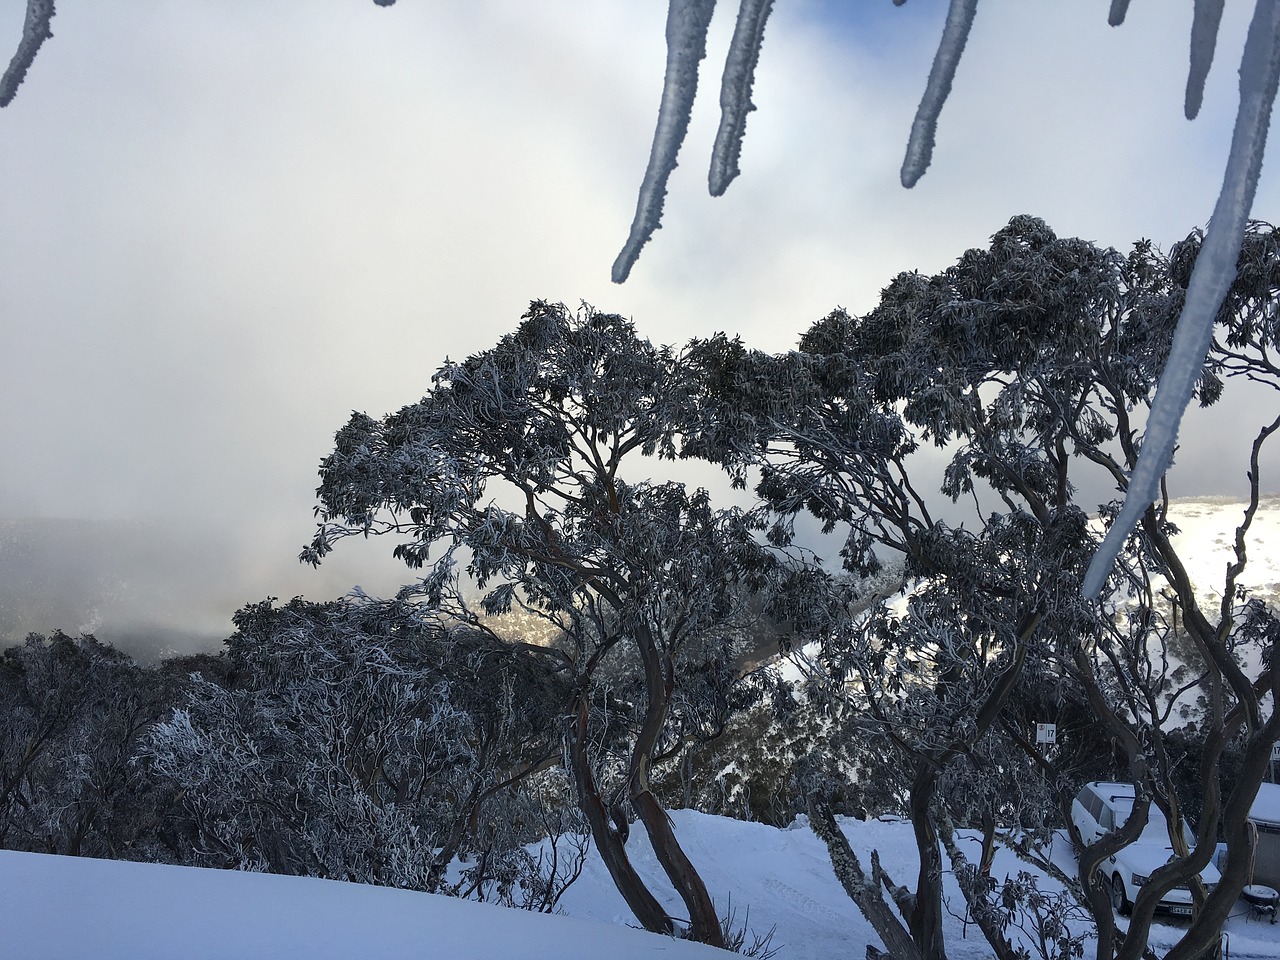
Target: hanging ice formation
(735, 92)
(687, 22)
(1204, 39)
(35, 31)
(955, 33)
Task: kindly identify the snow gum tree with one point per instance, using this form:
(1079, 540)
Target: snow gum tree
(513, 463)
(1029, 364)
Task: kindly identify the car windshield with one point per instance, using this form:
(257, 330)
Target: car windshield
(1157, 828)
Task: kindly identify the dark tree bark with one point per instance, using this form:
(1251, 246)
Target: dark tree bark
(612, 848)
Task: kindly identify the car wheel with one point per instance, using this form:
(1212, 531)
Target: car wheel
(1119, 899)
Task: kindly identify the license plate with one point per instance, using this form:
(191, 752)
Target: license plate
(1180, 911)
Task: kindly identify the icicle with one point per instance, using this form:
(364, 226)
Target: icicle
(1118, 10)
(735, 92)
(35, 31)
(924, 129)
(687, 22)
(1212, 276)
(1204, 38)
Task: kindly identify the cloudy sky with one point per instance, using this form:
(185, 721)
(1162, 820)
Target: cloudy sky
(228, 224)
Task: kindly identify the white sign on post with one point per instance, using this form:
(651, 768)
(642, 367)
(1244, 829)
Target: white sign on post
(1275, 751)
(1046, 733)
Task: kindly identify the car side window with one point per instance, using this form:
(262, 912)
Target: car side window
(1092, 804)
(1105, 820)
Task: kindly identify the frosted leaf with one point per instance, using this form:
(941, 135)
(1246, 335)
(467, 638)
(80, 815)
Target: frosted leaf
(1118, 10)
(687, 22)
(35, 31)
(735, 92)
(1214, 271)
(1204, 38)
(925, 127)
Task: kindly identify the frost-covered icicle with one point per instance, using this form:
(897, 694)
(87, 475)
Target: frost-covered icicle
(1214, 271)
(687, 22)
(1118, 10)
(1204, 39)
(35, 31)
(735, 92)
(925, 127)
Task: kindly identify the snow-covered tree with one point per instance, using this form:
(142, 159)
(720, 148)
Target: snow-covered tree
(687, 25)
(1025, 361)
(517, 460)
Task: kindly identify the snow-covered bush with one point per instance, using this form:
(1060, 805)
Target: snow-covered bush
(72, 713)
(361, 740)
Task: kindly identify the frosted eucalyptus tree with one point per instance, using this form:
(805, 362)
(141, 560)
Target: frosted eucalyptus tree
(516, 461)
(1026, 362)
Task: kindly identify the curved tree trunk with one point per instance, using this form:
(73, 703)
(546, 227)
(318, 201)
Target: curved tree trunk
(612, 848)
(976, 889)
(704, 924)
(1202, 939)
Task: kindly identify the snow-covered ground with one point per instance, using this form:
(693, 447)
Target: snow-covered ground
(62, 907)
(1206, 542)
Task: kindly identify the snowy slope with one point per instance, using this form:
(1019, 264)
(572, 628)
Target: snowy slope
(65, 907)
(62, 907)
(1206, 542)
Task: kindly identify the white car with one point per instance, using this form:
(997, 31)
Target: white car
(1102, 807)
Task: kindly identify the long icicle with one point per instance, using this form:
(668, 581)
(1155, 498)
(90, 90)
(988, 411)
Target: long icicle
(687, 22)
(1204, 40)
(924, 129)
(35, 31)
(735, 92)
(1214, 271)
(1115, 17)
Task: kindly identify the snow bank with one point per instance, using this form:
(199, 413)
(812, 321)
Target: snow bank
(61, 907)
(57, 907)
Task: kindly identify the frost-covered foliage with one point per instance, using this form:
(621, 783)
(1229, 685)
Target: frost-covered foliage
(72, 714)
(1025, 362)
(516, 459)
(365, 741)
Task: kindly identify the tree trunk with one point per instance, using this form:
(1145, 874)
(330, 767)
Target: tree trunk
(976, 889)
(613, 852)
(704, 924)
(861, 890)
(926, 918)
(1202, 938)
